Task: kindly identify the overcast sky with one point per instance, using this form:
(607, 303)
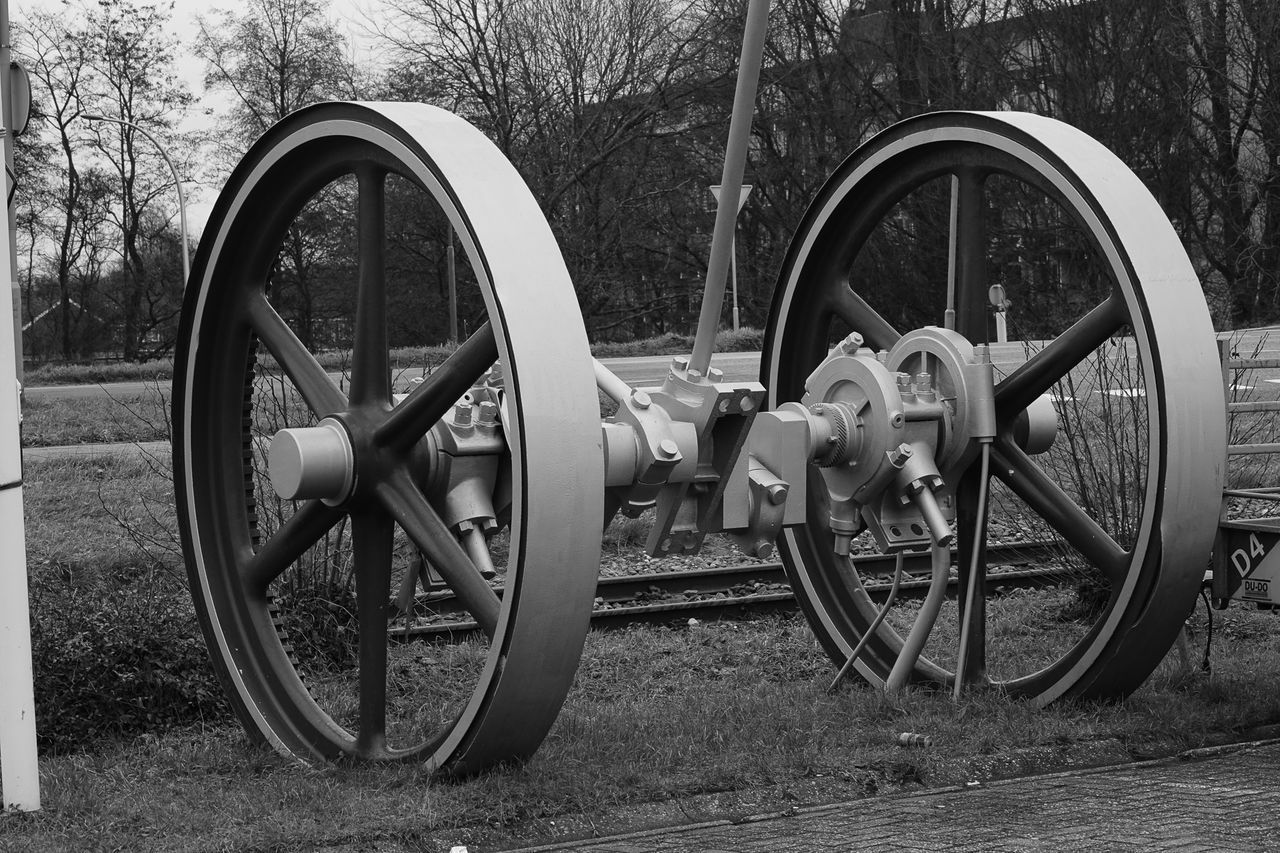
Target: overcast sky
(348, 15)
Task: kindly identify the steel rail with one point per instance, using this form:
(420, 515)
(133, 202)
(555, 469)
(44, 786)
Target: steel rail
(620, 601)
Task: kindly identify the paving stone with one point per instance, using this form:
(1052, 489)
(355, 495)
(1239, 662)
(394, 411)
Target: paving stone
(1202, 802)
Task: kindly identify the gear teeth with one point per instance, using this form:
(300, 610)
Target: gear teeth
(836, 451)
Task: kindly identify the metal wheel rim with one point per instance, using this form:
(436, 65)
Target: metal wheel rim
(1175, 339)
(550, 583)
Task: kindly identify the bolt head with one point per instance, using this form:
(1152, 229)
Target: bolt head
(668, 448)
(462, 414)
(680, 362)
(488, 413)
(694, 374)
(777, 493)
(641, 399)
(851, 344)
(715, 374)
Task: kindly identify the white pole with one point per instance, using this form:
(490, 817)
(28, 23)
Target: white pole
(19, 769)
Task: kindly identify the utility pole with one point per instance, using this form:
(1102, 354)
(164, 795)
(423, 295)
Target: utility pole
(19, 769)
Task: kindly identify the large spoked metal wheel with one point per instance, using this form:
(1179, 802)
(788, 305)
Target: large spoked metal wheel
(1106, 320)
(294, 592)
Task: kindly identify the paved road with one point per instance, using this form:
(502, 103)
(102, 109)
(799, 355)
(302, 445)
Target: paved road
(1214, 800)
(643, 370)
(646, 370)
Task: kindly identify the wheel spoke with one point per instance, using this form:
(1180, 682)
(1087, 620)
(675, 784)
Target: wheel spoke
(371, 535)
(315, 386)
(430, 401)
(1038, 374)
(308, 524)
(370, 367)
(1047, 499)
(968, 254)
(877, 332)
(428, 531)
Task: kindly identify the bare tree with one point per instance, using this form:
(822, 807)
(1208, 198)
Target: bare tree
(274, 57)
(53, 48)
(1233, 98)
(130, 52)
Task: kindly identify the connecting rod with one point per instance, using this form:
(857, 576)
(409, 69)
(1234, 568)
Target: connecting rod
(735, 161)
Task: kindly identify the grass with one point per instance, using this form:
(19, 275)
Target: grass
(663, 725)
(132, 417)
(669, 724)
(657, 718)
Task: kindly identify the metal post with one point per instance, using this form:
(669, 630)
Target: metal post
(733, 276)
(733, 245)
(735, 161)
(453, 288)
(19, 768)
(6, 80)
(177, 182)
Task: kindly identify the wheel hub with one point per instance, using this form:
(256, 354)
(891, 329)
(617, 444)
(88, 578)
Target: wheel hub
(892, 431)
(313, 463)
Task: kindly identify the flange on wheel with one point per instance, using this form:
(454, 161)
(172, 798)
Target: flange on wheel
(293, 582)
(1109, 327)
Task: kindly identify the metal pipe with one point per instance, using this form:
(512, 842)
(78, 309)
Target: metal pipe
(450, 257)
(735, 161)
(610, 383)
(914, 645)
(177, 182)
(966, 624)
(19, 766)
(875, 623)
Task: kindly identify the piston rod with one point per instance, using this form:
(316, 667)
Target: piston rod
(735, 161)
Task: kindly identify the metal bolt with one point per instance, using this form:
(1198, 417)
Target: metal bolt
(715, 374)
(819, 409)
(680, 362)
(640, 399)
(694, 374)
(900, 454)
(746, 404)
(851, 344)
(924, 382)
(668, 448)
(983, 353)
(488, 413)
(882, 356)
(777, 493)
(904, 381)
(462, 414)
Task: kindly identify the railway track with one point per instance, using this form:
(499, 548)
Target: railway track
(736, 591)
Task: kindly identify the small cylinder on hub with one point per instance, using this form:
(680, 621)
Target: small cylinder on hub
(312, 462)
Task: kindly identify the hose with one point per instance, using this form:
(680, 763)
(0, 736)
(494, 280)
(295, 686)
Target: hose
(875, 623)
